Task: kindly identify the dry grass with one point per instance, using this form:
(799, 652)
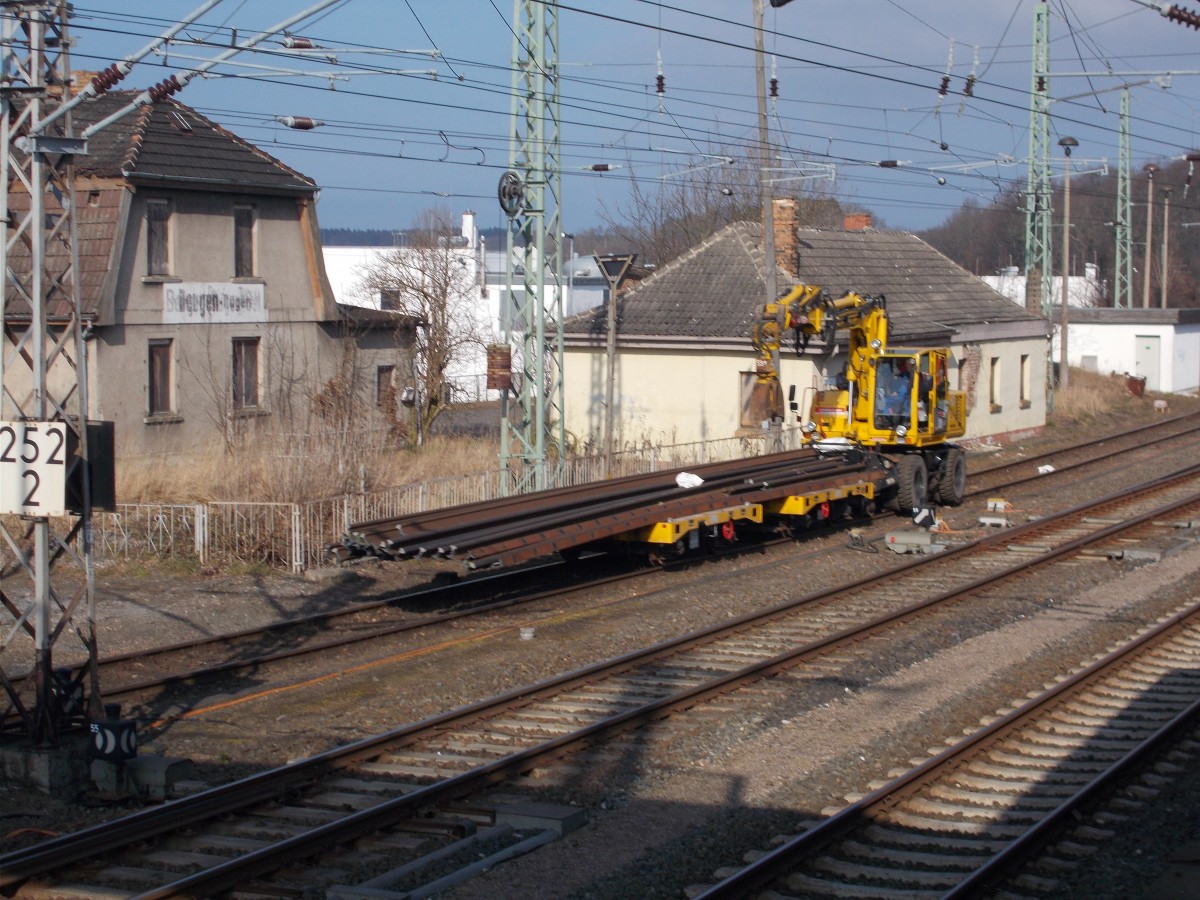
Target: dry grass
(1103, 403)
(279, 472)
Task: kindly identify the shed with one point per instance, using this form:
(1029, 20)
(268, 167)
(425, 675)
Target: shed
(1160, 345)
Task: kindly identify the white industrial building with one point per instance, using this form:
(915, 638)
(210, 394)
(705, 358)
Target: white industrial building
(584, 287)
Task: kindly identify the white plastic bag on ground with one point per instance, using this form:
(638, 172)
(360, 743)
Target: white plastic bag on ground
(688, 480)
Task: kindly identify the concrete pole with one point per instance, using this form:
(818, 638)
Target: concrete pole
(1064, 371)
(1166, 194)
(1149, 169)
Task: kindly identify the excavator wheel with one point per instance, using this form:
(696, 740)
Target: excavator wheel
(912, 483)
(952, 482)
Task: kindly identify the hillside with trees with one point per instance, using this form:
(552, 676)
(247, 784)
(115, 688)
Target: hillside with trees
(985, 238)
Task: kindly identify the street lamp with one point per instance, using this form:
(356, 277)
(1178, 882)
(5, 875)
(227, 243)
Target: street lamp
(1063, 371)
(1149, 169)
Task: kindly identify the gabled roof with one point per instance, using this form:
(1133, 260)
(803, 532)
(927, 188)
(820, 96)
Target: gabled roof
(167, 145)
(926, 291)
(171, 144)
(713, 291)
(716, 290)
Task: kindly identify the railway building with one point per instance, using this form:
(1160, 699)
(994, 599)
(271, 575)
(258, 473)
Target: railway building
(1160, 347)
(209, 315)
(684, 363)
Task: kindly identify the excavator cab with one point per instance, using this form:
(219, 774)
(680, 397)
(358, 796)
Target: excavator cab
(913, 403)
(898, 398)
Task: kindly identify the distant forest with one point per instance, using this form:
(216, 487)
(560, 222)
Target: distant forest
(986, 237)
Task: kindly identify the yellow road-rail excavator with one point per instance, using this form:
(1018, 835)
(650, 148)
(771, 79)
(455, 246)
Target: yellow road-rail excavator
(895, 402)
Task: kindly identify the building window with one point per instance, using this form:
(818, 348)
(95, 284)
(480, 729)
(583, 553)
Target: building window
(243, 241)
(245, 374)
(1026, 386)
(158, 237)
(391, 299)
(159, 379)
(994, 385)
(385, 389)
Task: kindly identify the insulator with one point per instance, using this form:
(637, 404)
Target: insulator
(1041, 84)
(774, 87)
(165, 89)
(889, 163)
(107, 78)
(298, 43)
(945, 86)
(1184, 16)
(300, 123)
(601, 167)
(660, 83)
(969, 87)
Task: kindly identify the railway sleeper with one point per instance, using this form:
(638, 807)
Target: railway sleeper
(891, 856)
(1057, 765)
(1057, 788)
(989, 800)
(886, 876)
(990, 828)
(810, 886)
(903, 838)
(983, 809)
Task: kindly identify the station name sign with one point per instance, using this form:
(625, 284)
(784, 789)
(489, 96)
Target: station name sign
(191, 302)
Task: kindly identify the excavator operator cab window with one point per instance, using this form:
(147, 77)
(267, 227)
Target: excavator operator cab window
(893, 392)
(924, 389)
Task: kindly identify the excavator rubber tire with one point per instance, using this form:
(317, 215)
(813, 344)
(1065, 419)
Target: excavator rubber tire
(912, 482)
(952, 482)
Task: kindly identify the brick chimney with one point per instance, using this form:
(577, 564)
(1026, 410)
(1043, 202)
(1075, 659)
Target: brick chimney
(785, 236)
(857, 221)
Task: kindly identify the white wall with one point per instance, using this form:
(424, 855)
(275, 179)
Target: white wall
(679, 396)
(1114, 348)
(344, 267)
(1087, 290)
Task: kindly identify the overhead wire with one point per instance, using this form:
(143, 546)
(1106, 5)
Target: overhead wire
(692, 125)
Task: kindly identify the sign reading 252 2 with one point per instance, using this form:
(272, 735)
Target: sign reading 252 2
(33, 467)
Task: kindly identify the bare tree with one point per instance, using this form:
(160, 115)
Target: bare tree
(668, 217)
(432, 277)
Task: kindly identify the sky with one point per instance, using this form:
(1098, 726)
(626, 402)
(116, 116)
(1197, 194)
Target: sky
(858, 84)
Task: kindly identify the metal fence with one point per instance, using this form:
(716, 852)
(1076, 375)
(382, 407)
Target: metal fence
(293, 536)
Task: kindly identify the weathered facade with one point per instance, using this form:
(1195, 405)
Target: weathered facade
(684, 356)
(210, 318)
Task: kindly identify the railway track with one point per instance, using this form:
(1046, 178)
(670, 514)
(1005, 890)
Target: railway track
(416, 773)
(160, 684)
(196, 662)
(959, 823)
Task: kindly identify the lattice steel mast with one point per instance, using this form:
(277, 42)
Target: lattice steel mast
(1123, 260)
(43, 370)
(1038, 274)
(532, 423)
